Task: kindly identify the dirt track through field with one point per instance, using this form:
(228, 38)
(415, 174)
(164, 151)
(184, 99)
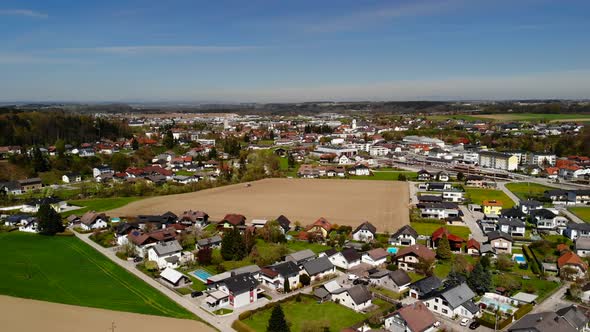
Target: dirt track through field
(343, 202)
(18, 314)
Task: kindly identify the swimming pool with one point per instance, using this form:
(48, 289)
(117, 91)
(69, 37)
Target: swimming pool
(503, 306)
(392, 250)
(201, 275)
(519, 258)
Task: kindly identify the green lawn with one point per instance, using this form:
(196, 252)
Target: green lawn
(99, 204)
(296, 313)
(386, 175)
(442, 269)
(184, 173)
(478, 195)
(66, 270)
(540, 287)
(302, 245)
(427, 229)
(526, 190)
(582, 212)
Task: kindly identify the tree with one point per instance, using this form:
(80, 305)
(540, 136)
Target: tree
(455, 278)
(460, 176)
(40, 163)
(249, 241)
(401, 177)
(443, 248)
(49, 220)
(134, 144)
(119, 162)
(232, 246)
(425, 266)
(287, 286)
(205, 255)
(485, 261)
(480, 279)
(304, 279)
(60, 147)
(504, 263)
(291, 161)
(277, 322)
(460, 264)
(169, 141)
(212, 153)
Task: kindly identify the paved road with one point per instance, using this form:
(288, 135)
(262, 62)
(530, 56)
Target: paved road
(570, 215)
(553, 302)
(502, 186)
(470, 218)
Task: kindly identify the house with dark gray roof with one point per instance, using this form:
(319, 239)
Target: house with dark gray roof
(453, 301)
(512, 226)
(301, 256)
(318, 268)
(574, 230)
(365, 232)
(211, 242)
(240, 289)
(275, 276)
(422, 287)
(285, 223)
(405, 236)
(357, 297)
(345, 259)
(397, 281)
(568, 319)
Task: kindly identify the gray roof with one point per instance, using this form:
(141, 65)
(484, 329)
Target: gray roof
(544, 321)
(400, 277)
(583, 243)
(407, 229)
(300, 256)
(210, 240)
(427, 284)
(580, 227)
(511, 222)
(318, 265)
(456, 295)
(499, 235)
(321, 293)
(574, 315)
(359, 294)
(165, 248)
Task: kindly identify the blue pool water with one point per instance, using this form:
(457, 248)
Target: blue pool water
(505, 307)
(201, 275)
(519, 259)
(392, 250)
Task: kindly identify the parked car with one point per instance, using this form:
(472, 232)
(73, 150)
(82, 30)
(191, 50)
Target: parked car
(464, 322)
(474, 325)
(196, 293)
(361, 282)
(352, 276)
(137, 259)
(436, 324)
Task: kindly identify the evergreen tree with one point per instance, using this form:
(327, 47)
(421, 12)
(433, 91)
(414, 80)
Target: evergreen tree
(233, 247)
(291, 161)
(277, 322)
(212, 153)
(169, 139)
(49, 220)
(40, 163)
(60, 147)
(480, 279)
(460, 176)
(443, 248)
(485, 262)
(134, 144)
(287, 286)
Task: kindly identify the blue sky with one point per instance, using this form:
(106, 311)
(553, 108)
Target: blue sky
(146, 50)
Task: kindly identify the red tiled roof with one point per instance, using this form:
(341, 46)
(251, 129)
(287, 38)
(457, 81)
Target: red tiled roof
(234, 219)
(472, 243)
(418, 249)
(438, 234)
(416, 315)
(569, 258)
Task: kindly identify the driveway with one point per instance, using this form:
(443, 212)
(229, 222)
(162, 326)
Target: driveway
(502, 186)
(470, 218)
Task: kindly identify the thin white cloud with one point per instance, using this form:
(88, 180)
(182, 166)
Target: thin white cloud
(23, 12)
(160, 49)
(368, 17)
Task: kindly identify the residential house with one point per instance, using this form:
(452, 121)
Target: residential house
(122, 231)
(16, 220)
(10, 188)
(57, 204)
(365, 232)
(319, 230)
(210, 242)
(375, 257)
(501, 242)
(301, 256)
(357, 298)
(397, 281)
(407, 257)
(568, 319)
(421, 288)
(235, 291)
(514, 227)
(473, 247)
(359, 170)
(93, 220)
(456, 196)
(325, 291)
(453, 301)
(318, 268)
(165, 254)
(198, 218)
(346, 259)
(29, 226)
(582, 247)
(575, 230)
(158, 221)
(441, 211)
(232, 220)
(424, 175)
(275, 276)
(413, 317)
(285, 223)
(439, 186)
(492, 207)
(143, 241)
(455, 241)
(71, 178)
(99, 170)
(575, 266)
(442, 176)
(475, 181)
(30, 184)
(405, 236)
(529, 205)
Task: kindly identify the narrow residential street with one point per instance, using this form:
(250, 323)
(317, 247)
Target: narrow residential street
(470, 218)
(502, 186)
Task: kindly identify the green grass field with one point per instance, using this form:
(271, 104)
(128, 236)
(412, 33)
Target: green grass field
(99, 204)
(296, 313)
(525, 190)
(427, 229)
(386, 175)
(479, 195)
(302, 245)
(66, 270)
(582, 212)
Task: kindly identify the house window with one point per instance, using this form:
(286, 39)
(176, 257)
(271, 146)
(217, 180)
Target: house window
(435, 307)
(445, 311)
(436, 300)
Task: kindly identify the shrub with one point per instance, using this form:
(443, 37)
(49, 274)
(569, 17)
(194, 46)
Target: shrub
(523, 310)
(246, 314)
(241, 326)
(531, 259)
